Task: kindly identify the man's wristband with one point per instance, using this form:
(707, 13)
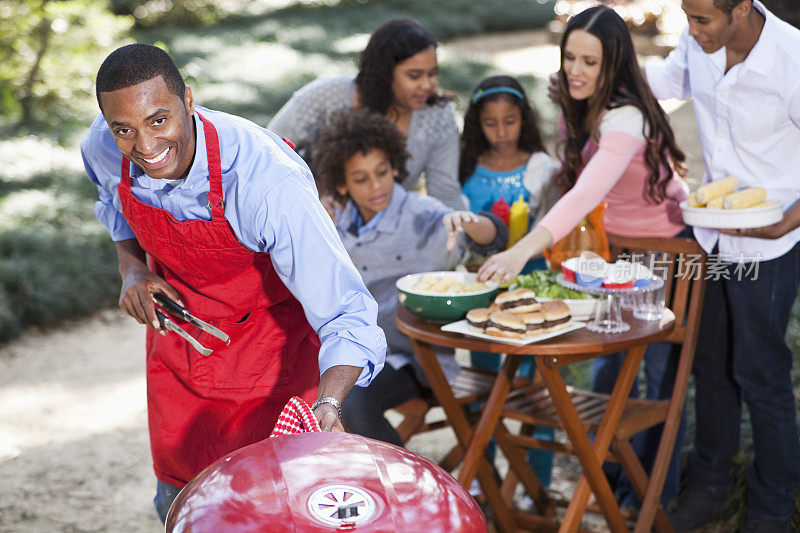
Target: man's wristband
(331, 400)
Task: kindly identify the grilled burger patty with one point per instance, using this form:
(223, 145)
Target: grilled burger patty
(505, 328)
(551, 323)
(517, 303)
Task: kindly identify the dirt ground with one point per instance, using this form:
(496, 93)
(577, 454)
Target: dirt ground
(74, 451)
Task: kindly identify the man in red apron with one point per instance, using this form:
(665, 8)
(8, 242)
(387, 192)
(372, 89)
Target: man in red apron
(221, 216)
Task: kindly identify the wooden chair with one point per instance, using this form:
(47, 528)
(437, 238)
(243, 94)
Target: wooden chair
(472, 384)
(533, 406)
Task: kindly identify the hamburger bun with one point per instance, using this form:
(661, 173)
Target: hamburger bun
(506, 325)
(478, 319)
(517, 301)
(556, 315)
(534, 322)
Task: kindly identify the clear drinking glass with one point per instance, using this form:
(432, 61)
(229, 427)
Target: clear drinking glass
(649, 305)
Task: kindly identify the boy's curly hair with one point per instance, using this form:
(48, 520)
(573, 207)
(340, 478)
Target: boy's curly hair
(349, 132)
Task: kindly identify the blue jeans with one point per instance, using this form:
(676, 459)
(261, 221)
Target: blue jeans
(660, 366)
(165, 495)
(742, 355)
(541, 461)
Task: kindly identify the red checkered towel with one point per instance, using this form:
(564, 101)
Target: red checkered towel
(296, 417)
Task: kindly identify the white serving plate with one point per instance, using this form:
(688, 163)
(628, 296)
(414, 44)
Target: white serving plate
(463, 327)
(580, 309)
(752, 217)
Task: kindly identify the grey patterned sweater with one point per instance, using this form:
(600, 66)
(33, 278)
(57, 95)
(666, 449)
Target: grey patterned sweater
(432, 138)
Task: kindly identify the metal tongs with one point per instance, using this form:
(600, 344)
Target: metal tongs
(176, 310)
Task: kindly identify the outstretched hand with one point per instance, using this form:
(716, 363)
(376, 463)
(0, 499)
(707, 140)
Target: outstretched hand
(136, 297)
(454, 224)
(503, 267)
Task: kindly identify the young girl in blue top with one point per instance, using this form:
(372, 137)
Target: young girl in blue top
(389, 232)
(502, 156)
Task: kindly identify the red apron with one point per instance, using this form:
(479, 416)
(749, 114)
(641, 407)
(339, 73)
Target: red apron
(201, 408)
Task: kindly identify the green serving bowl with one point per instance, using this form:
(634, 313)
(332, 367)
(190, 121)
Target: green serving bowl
(443, 307)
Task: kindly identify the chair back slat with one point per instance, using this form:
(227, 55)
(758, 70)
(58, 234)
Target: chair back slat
(686, 266)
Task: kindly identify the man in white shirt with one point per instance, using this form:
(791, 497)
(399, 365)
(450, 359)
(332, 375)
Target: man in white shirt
(741, 66)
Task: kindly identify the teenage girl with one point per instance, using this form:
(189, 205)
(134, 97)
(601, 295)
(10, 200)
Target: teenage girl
(502, 156)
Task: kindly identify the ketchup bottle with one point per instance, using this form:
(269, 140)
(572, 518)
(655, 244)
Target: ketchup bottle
(501, 209)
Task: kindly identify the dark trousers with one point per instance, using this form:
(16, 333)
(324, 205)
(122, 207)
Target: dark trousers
(362, 410)
(660, 367)
(165, 495)
(742, 355)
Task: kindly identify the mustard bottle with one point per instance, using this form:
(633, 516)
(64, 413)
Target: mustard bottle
(517, 221)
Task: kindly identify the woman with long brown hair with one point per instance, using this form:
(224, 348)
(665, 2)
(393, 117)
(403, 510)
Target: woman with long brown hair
(618, 148)
(397, 78)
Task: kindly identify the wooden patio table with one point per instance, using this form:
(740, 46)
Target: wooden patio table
(550, 354)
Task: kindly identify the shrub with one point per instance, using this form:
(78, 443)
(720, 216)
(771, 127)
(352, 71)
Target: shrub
(49, 54)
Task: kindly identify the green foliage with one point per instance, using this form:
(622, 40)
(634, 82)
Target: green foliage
(165, 13)
(444, 19)
(288, 47)
(56, 261)
(49, 54)
(46, 276)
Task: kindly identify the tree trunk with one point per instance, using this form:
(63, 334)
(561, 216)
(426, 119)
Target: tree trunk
(27, 100)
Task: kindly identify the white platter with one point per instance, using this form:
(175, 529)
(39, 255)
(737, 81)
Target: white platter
(462, 327)
(579, 308)
(753, 217)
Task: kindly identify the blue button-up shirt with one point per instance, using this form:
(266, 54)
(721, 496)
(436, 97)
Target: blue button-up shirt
(272, 205)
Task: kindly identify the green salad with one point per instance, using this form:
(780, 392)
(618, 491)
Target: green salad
(543, 283)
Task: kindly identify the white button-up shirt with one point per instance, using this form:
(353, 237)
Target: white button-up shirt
(748, 118)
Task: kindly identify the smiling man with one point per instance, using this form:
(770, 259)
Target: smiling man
(741, 66)
(230, 220)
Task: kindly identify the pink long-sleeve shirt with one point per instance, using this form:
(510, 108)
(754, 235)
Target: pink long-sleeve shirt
(617, 173)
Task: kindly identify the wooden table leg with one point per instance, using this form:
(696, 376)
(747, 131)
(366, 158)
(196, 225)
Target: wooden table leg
(458, 421)
(519, 468)
(591, 455)
(489, 419)
(628, 459)
(658, 473)
(607, 427)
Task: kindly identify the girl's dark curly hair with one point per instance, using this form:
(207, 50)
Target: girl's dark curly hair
(473, 141)
(393, 42)
(349, 132)
(620, 83)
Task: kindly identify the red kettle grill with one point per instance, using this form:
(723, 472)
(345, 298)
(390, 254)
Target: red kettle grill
(315, 482)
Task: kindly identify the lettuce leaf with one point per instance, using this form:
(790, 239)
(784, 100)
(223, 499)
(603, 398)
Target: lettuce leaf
(543, 283)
